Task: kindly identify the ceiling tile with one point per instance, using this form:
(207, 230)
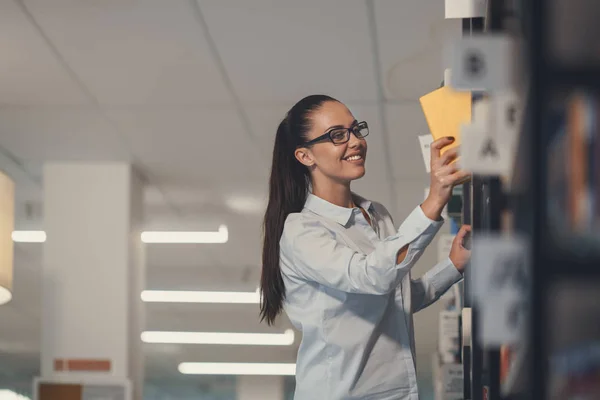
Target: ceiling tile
(29, 72)
(241, 197)
(60, 134)
(411, 48)
(191, 146)
(281, 51)
(134, 52)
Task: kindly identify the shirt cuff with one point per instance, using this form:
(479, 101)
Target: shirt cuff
(444, 275)
(419, 229)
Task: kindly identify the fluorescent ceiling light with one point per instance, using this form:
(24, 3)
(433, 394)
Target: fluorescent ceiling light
(29, 236)
(178, 296)
(246, 204)
(227, 338)
(5, 297)
(220, 236)
(202, 368)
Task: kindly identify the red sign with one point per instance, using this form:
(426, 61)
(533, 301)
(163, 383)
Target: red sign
(82, 365)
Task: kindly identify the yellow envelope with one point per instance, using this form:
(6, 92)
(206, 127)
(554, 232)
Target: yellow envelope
(445, 111)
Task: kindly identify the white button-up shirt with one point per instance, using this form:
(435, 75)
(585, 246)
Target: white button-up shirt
(353, 303)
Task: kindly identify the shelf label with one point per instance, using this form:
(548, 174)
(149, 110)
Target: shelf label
(489, 143)
(464, 9)
(483, 63)
(500, 281)
(484, 153)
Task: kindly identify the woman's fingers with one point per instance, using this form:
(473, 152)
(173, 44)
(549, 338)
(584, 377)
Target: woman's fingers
(444, 174)
(438, 145)
(463, 231)
(451, 174)
(449, 156)
(459, 239)
(460, 175)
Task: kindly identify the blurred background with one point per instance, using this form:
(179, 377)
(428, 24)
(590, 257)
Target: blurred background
(189, 94)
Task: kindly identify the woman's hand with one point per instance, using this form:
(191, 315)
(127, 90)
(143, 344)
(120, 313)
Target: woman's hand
(444, 176)
(459, 255)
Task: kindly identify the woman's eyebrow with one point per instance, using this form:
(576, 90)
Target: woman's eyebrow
(340, 126)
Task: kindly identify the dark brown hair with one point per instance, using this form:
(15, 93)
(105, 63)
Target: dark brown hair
(288, 188)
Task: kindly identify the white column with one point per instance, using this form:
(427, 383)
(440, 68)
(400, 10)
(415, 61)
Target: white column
(260, 388)
(7, 225)
(93, 274)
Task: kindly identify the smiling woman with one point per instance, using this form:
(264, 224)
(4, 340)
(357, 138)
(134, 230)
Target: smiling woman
(337, 265)
(345, 160)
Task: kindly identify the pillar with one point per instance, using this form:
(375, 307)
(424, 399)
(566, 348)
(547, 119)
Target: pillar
(93, 274)
(7, 225)
(260, 387)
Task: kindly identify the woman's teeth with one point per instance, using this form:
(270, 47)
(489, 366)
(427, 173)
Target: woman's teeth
(353, 158)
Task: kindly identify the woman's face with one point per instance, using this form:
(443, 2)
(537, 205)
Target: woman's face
(339, 162)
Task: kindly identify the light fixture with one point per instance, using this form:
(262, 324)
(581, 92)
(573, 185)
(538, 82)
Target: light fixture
(5, 295)
(225, 338)
(6, 394)
(7, 225)
(206, 368)
(182, 296)
(220, 236)
(29, 236)
(246, 204)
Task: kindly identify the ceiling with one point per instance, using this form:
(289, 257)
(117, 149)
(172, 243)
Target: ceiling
(191, 92)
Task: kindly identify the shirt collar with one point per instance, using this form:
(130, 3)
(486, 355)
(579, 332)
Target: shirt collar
(341, 215)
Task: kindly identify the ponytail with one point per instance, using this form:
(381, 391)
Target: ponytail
(288, 188)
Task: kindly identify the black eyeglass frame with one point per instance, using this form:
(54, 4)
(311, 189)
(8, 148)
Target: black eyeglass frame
(327, 135)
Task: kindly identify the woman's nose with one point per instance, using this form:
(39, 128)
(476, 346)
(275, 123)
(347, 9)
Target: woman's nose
(354, 141)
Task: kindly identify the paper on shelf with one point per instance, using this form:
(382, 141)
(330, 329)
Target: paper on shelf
(448, 340)
(425, 142)
(448, 380)
(500, 280)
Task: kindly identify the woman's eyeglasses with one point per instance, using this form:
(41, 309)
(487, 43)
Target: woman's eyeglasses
(342, 135)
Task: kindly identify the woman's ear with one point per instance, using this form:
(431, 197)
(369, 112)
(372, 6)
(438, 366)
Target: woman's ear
(304, 156)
